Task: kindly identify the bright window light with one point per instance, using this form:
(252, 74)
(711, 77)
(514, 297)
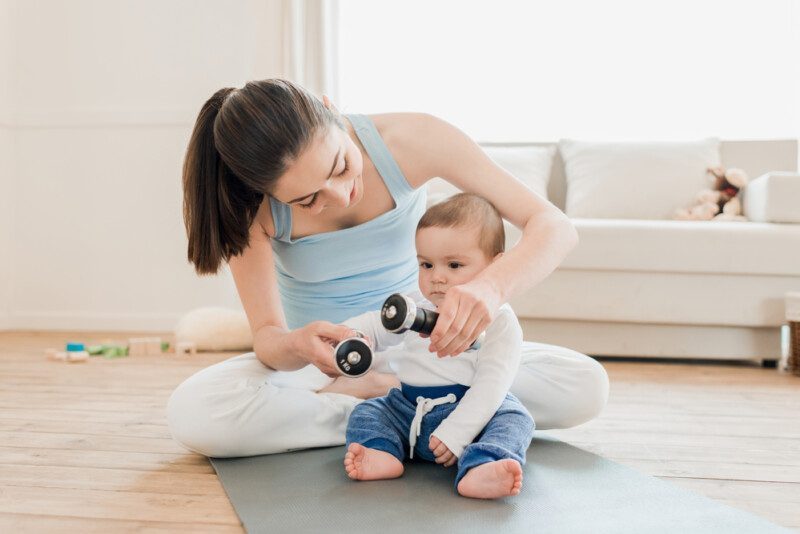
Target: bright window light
(609, 70)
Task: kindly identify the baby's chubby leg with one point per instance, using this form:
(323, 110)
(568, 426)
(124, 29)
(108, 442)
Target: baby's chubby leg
(376, 439)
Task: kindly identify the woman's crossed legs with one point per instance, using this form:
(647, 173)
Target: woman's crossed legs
(239, 407)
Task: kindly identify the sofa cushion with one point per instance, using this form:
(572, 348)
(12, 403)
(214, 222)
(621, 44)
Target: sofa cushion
(686, 246)
(530, 164)
(635, 180)
(670, 272)
(773, 197)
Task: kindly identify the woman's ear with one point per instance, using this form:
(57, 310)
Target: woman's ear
(328, 104)
(497, 256)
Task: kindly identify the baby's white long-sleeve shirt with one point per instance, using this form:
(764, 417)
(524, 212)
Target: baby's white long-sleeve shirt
(489, 370)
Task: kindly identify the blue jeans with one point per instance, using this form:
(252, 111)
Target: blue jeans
(383, 423)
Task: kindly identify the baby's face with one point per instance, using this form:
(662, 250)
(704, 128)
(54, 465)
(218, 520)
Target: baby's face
(447, 257)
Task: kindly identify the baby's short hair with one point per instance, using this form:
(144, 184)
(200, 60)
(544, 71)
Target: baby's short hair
(469, 210)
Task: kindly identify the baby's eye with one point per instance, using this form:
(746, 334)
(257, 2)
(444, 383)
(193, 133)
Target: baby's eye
(454, 265)
(425, 265)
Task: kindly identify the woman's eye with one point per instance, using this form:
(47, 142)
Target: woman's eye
(454, 265)
(311, 203)
(345, 168)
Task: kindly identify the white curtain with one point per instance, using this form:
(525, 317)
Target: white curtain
(309, 44)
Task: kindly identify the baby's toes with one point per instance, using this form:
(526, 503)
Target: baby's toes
(351, 469)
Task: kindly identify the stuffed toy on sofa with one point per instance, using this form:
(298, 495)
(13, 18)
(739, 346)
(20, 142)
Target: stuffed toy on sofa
(722, 202)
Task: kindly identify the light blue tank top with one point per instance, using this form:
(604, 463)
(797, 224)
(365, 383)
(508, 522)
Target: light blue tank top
(335, 275)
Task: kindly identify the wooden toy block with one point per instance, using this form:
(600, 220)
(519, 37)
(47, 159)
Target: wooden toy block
(144, 346)
(185, 347)
(55, 354)
(78, 356)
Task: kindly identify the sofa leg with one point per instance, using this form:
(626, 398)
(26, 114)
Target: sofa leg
(769, 364)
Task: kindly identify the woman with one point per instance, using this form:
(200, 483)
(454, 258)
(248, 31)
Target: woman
(315, 214)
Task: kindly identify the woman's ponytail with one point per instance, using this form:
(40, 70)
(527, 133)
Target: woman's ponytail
(215, 228)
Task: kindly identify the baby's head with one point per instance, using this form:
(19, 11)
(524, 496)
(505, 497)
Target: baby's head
(456, 240)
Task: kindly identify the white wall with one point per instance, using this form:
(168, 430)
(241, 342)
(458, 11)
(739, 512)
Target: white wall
(7, 154)
(107, 93)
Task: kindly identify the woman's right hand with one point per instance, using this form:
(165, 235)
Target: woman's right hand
(315, 341)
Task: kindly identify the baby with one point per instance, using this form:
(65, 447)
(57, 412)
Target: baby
(456, 409)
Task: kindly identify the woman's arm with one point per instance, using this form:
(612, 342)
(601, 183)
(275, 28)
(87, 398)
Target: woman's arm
(274, 344)
(439, 149)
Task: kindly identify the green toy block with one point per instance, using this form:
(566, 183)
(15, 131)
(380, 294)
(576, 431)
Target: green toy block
(114, 351)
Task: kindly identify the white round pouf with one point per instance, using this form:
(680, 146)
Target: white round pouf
(215, 329)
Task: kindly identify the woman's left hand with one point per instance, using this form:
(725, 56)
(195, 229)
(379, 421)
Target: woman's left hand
(465, 312)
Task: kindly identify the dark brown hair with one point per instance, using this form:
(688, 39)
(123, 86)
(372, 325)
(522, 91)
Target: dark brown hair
(242, 142)
(469, 211)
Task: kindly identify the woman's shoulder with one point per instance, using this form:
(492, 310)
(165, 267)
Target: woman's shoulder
(402, 132)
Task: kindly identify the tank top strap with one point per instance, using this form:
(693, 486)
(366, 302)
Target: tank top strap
(281, 218)
(379, 153)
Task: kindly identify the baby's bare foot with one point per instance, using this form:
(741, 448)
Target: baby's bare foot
(502, 478)
(362, 463)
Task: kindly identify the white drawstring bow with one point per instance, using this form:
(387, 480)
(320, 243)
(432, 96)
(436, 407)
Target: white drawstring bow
(424, 406)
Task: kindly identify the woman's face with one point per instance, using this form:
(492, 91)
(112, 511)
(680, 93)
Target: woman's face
(326, 175)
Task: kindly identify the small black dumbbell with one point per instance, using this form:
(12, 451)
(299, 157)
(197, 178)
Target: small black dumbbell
(400, 313)
(354, 355)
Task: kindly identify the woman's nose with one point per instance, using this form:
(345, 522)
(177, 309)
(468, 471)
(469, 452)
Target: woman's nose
(341, 196)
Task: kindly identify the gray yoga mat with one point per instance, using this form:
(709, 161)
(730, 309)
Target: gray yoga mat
(565, 489)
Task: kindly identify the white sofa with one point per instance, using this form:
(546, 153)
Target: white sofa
(664, 288)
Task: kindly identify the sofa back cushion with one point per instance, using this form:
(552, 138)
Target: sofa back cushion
(531, 164)
(635, 180)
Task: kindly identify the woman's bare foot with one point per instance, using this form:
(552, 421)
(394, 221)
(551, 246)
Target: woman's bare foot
(362, 463)
(368, 386)
(502, 478)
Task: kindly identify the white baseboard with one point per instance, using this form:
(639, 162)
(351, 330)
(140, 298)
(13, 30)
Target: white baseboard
(643, 340)
(90, 322)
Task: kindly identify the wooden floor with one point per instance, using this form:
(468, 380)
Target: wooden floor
(85, 447)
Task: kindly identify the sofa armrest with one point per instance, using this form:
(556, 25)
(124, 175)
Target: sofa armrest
(773, 197)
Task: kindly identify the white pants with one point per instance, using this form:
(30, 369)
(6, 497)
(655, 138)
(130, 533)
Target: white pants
(239, 407)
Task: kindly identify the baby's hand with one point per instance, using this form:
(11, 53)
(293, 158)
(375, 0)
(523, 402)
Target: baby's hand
(442, 453)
